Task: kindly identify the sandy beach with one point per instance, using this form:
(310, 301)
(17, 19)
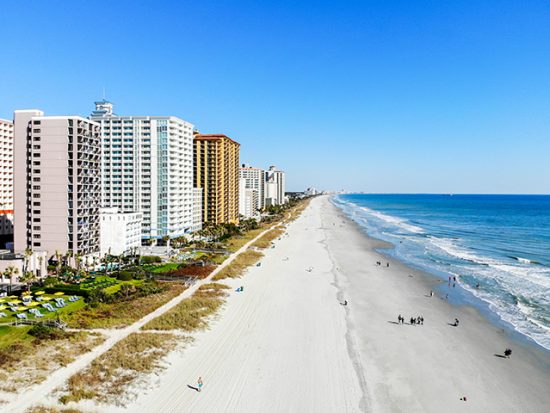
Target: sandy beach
(286, 344)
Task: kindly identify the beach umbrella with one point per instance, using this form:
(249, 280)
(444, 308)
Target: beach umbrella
(12, 296)
(16, 302)
(40, 292)
(48, 298)
(59, 293)
(3, 307)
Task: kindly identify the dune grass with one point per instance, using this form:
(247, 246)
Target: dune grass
(236, 268)
(46, 409)
(107, 378)
(236, 242)
(124, 313)
(192, 313)
(28, 361)
(265, 240)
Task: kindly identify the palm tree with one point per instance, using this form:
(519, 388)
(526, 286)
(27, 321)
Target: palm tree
(28, 277)
(58, 264)
(40, 262)
(10, 272)
(26, 255)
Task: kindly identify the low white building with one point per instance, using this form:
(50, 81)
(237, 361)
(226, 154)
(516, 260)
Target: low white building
(120, 232)
(197, 210)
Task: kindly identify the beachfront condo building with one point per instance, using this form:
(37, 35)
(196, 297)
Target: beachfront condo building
(120, 232)
(197, 210)
(248, 201)
(57, 193)
(254, 179)
(216, 171)
(274, 187)
(6, 181)
(147, 167)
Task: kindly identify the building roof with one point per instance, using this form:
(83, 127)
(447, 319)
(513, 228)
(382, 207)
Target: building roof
(213, 136)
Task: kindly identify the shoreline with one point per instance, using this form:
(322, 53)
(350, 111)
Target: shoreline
(395, 363)
(463, 298)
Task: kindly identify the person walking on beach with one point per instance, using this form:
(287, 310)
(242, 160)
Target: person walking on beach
(431, 293)
(199, 384)
(456, 322)
(421, 320)
(388, 264)
(508, 353)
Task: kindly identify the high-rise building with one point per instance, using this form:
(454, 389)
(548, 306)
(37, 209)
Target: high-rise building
(57, 184)
(147, 166)
(275, 186)
(6, 180)
(217, 173)
(248, 200)
(254, 179)
(197, 209)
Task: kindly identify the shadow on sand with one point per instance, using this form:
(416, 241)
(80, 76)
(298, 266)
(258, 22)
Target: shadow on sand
(501, 356)
(193, 388)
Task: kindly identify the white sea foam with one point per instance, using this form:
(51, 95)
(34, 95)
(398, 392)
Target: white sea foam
(401, 223)
(523, 260)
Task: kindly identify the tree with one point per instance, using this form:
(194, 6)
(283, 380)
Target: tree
(40, 262)
(10, 272)
(28, 277)
(26, 255)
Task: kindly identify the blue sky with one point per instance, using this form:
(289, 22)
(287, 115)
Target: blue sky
(377, 96)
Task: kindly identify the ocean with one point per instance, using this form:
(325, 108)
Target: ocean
(497, 247)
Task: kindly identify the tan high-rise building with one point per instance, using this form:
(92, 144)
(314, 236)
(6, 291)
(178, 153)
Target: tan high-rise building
(57, 184)
(216, 171)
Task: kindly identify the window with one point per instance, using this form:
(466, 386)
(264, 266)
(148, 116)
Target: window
(36, 220)
(36, 163)
(36, 131)
(36, 187)
(36, 155)
(36, 195)
(36, 228)
(36, 244)
(36, 122)
(36, 204)
(36, 146)
(36, 138)
(36, 171)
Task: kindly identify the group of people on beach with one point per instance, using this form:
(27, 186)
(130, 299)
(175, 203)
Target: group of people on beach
(412, 321)
(379, 263)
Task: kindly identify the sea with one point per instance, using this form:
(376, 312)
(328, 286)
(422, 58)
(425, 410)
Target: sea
(497, 247)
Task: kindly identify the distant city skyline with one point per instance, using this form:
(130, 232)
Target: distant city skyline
(415, 97)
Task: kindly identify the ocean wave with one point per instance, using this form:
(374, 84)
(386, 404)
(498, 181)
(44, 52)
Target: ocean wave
(524, 260)
(450, 247)
(401, 223)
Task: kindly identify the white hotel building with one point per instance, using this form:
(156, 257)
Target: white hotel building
(254, 178)
(120, 232)
(274, 187)
(147, 166)
(6, 178)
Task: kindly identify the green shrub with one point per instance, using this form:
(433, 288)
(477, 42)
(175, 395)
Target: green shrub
(125, 276)
(50, 281)
(42, 332)
(67, 289)
(150, 259)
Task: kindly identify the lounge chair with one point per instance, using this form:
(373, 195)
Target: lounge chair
(3, 315)
(21, 316)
